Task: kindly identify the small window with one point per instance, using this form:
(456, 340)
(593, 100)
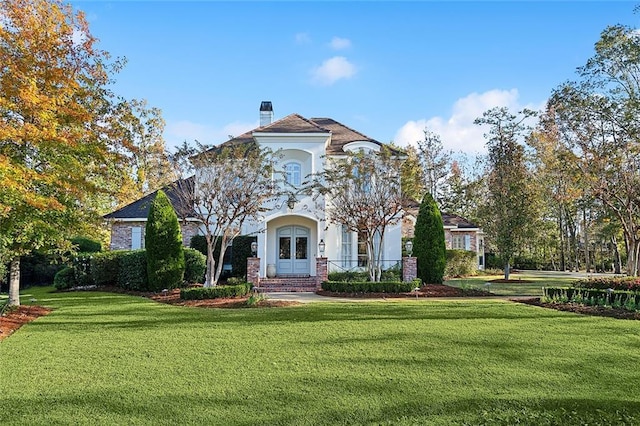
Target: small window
(292, 174)
(136, 237)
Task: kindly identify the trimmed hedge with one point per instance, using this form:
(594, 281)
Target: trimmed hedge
(64, 279)
(603, 283)
(195, 266)
(370, 287)
(461, 263)
(132, 270)
(105, 267)
(200, 293)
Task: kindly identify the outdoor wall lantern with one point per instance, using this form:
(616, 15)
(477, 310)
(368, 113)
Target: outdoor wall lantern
(291, 201)
(321, 247)
(254, 248)
(409, 247)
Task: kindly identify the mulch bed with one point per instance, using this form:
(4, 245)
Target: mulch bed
(430, 290)
(15, 318)
(173, 298)
(599, 311)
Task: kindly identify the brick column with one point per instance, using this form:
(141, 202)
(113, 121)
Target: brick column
(409, 269)
(322, 271)
(253, 271)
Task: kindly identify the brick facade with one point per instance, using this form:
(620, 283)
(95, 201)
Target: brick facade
(409, 269)
(121, 233)
(253, 271)
(322, 271)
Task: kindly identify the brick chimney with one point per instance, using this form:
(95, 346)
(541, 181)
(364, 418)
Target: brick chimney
(266, 113)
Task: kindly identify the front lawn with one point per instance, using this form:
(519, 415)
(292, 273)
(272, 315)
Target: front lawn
(521, 284)
(103, 358)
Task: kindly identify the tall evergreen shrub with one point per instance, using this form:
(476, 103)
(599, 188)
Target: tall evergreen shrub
(163, 241)
(428, 242)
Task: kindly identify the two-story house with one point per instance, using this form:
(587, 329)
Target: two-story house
(293, 232)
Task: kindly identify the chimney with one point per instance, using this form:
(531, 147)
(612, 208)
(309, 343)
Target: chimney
(266, 113)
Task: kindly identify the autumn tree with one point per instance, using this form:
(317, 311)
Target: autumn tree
(508, 212)
(363, 194)
(232, 186)
(412, 174)
(138, 129)
(54, 100)
(435, 162)
(598, 121)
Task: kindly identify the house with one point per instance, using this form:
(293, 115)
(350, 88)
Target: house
(293, 233)
(128, 223)
(459, 233)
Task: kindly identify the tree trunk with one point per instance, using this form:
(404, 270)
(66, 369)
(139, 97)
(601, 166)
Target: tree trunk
(220, 264)
(507, 270)
(209, 279)
(617, 261)
(14, 282)
(632, 257)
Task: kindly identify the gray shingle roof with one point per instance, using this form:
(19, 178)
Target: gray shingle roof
(295, 123)
(139, 209)
(412, 207)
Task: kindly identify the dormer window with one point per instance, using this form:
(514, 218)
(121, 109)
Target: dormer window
(292, 173)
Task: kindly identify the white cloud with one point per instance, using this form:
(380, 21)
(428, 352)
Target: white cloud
(338, 43)
(458, 133)
(179, 131)
(303, 38)
(332, 70)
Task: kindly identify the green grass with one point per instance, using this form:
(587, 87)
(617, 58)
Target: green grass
(532, 288)
(103, 358)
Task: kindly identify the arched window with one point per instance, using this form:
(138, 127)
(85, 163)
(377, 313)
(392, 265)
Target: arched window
(292, 173)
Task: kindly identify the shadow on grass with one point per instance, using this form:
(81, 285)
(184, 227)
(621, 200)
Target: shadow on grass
(362, 404)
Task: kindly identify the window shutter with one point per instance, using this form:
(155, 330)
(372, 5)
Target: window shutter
(136, 238)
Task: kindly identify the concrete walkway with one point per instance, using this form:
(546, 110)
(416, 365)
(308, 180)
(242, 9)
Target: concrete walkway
(307, 297)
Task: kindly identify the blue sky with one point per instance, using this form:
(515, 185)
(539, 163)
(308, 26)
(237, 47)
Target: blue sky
(386, 69)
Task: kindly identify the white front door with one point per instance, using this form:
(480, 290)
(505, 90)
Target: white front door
(293, 250)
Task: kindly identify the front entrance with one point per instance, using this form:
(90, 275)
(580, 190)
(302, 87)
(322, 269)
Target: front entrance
(293, 250)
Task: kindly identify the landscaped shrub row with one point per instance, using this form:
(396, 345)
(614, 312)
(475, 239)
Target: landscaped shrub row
(593, 297)
(461, 263)
(370, 287)
(616, 283)
(200, 293)
(236, 254)
(123, 268)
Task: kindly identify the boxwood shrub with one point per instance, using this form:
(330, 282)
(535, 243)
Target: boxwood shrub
(105, 267)
(200, 293)
(370, 287)
(64, 279)
(195, 266)
(132, 270)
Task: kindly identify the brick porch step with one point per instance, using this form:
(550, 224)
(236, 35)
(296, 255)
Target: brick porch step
(270, 285)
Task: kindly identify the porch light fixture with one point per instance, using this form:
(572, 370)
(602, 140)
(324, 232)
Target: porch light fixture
(321, 247)
(409, 247)
(291, 201)
(254, 248)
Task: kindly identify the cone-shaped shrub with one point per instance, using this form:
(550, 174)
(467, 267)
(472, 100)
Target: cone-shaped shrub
(163, 241)
(428, 242)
